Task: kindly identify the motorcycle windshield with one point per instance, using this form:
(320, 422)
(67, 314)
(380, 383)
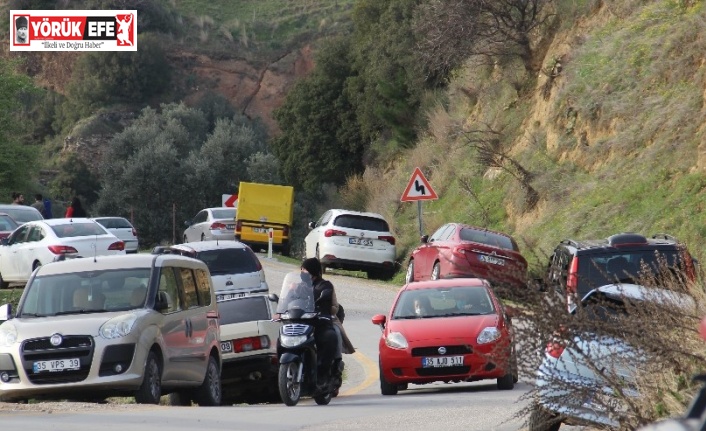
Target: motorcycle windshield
(297, 293)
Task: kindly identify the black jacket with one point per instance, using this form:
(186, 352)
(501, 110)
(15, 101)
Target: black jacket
(323, 306)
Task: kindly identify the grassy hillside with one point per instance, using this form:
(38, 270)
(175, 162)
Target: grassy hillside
(614, 141)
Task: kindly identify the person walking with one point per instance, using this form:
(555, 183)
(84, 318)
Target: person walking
(75, 209)
(39, 205)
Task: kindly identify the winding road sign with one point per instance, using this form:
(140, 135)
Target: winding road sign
(418, 188)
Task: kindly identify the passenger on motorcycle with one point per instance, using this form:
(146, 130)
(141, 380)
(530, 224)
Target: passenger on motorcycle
(328, 343)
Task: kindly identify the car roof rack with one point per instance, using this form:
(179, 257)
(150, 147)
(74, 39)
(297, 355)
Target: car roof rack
(664, 236)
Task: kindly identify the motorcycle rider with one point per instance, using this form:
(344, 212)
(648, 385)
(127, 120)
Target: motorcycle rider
(327, 341)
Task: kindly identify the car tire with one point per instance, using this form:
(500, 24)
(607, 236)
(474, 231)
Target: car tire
(436, 271)
(209, 393)
(179, 398)
(151, 388)
(409, 276)
(185, 239)
(542, 420)
(36, 265)
(386, 388)
(3, 284)
(506, 382)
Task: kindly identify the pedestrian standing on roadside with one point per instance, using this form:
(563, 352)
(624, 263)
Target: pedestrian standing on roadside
(75, 209)
(18, 198)
(39, 205)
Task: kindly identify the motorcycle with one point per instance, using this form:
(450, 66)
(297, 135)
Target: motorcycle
(296, 345)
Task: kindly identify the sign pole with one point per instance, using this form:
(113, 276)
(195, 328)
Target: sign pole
(418, 189)
(419, 213)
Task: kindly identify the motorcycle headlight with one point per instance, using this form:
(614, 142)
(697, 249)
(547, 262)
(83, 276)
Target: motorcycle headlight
(396, 340)
(8, 335)
(292, 340)
(488, 335)
(118, 326)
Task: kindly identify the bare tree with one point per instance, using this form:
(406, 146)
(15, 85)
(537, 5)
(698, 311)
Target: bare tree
(452, 30)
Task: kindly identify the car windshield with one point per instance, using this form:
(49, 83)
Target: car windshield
(362, 223)
(624, 267)
(77, 229)
(85, 292)
(443, 302)
(7, 223)
(488, 238)
(297, 293)
(247, 309)
(22, 214)
(224, 213)
(229, 261)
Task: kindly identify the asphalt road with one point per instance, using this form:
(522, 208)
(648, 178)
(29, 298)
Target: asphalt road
(449, 407)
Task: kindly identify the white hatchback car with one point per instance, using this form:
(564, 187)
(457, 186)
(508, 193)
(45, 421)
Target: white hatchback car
(123, 229)
(39, 242)
(235, 269)
(353, 240)
(211, 224)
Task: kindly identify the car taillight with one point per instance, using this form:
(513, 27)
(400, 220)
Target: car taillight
(134, 232)
(459, 251)
(218, 226)
(390, 239)
(334, 232)
(62, 249)
(117, 246)
(572, 283)
(251, 343)
(238, 226)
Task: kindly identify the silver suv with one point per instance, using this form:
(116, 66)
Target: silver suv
(141, 325)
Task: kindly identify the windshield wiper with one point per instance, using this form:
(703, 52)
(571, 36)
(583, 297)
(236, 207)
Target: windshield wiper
(32, 315)
(81, 311)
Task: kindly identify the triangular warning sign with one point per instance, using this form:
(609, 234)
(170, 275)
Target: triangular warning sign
(418, 188)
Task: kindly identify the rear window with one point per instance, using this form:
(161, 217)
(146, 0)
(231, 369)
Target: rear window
(23, 214)
(362, 223)
(624, 267)
(7, 224)
(247, 309)
(224, 213)
(78, 229)
(115, 223)
(488, 238)
(229, 261)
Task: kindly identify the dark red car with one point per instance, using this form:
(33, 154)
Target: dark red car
(453, 330)
(459, 250)
(7, 225)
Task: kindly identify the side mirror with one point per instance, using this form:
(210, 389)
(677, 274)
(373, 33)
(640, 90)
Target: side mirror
(379, 319)
(312, 225)
(162, 302)
(424, 239)
(273, 297)
(5, 312)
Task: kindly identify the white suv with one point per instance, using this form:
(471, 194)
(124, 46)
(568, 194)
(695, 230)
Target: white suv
(140, 325)
(353, 240)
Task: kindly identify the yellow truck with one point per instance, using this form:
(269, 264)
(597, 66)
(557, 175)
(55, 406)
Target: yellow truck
(261, 207)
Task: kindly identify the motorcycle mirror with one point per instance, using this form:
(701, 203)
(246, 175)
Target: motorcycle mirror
(273, 297)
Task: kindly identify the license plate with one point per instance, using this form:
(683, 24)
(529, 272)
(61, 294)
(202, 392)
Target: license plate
(225, 296)
(492, 260)
(226, 347)
(360, 241)
(259, 229)
(230, 226)
(442, 361)
(56, 365)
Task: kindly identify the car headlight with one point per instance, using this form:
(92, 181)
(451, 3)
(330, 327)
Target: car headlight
(488, 335)
(292, 340)
(8, 335)
(118, 326)
(396, 340)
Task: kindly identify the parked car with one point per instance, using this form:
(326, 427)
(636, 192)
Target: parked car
(460, 250)
(452, 330)
(123, 229)
(139, 325)
(21, 213)
(353, 240)
(576, 380)
(39, 242)
(211, 224)
(235, 269)
(577, 267)
(249, 349)
(7, 225)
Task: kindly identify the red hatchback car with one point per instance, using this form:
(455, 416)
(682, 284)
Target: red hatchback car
(459, 250)
(451, 330)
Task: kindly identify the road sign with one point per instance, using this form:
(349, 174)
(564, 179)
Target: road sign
(418, 188)
(229, 200)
